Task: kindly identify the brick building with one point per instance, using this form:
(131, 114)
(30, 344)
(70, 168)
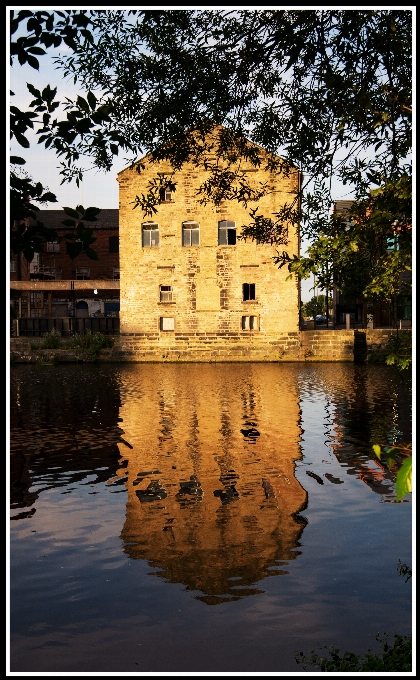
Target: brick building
(53, 286)
(189, 284)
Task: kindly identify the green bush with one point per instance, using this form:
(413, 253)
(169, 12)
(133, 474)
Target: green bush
(93, 343)
(395, 656)
(51, 340)
(398, 351)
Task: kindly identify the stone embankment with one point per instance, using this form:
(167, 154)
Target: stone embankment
(304, 346)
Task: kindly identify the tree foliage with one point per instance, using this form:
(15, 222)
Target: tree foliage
(326, 91)
(316, 305)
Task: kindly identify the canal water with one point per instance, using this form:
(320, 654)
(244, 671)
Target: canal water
(203, 517)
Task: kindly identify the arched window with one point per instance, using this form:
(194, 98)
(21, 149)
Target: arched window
(190, 233)
(150, 234)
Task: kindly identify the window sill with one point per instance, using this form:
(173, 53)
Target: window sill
(167, 303)
(250, 302)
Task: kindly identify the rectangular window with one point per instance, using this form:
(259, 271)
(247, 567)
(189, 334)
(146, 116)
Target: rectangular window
(165, 293)
(111, 307)
(53, 247)
(13, 264)
(248, 291)
(114, 244)
(250, 323)
(165, 194)
(190, 234)
(116, 273)
(227, 233)
(82, 273)
(392, 243)
(167, 323)
(150, 234)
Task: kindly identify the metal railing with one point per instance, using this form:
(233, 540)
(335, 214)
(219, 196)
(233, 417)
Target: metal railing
(67, 326)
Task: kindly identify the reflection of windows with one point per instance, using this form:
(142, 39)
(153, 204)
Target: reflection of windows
(165, 293)
(165, 194)
(227, 233)
(53, 247)
(114, 245)
(150, 234)
(116, 273)
(190, 234)
(13, 264)
(248, 291)
(82, 273)
(167, 323)
(250, 323)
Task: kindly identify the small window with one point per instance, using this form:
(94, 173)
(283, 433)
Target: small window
(167, 323)
(114, 244)
(150, 234)
(111, 307)
(249, 323)
(392, 244)
(165, 194)
(82, 273)
(53, 247)
(248, 291)
(13, 264)
(116, 273)
(190, 234)
(227, 233)
(165, 293)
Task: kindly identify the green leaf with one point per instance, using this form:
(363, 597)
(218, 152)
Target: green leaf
(377, 450)
(92, 100)
(69, 223)
(21, 139)
(17, 160)
(92, 254)
(404, 479)
(71, 212)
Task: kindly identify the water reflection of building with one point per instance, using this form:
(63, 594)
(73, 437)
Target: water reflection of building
(212, 495)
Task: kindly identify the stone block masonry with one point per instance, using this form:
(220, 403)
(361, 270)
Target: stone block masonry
(303, 346)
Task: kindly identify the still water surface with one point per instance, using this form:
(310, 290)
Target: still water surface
(203, 517)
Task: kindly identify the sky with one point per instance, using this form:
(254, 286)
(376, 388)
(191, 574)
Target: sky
(99, 188)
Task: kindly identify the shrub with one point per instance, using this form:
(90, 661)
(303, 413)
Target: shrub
(51, 340)
(93, 343)
(394, 657)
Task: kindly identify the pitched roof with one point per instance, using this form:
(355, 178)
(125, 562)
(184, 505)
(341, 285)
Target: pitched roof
(343, 206)
(106, 219)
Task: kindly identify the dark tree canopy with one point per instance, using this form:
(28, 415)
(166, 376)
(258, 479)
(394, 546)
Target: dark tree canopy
(326, 91)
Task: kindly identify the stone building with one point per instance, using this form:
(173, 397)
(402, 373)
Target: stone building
(189, 285)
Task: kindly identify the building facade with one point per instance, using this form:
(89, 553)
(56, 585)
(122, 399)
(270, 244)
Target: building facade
(53, 286)
(187, 277)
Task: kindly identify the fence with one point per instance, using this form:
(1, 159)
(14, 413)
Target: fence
(66, 326)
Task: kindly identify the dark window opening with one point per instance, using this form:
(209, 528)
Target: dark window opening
(227, 233)
(114, 244)
(248, 291)
(165, 293)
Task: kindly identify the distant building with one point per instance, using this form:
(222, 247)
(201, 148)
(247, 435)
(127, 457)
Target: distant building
(55, 287)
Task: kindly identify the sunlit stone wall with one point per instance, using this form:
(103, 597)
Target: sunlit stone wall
(205, 280)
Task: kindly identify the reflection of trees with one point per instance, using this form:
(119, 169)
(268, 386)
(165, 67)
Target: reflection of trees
(371, 405)
(224, 515)
(63, 428)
